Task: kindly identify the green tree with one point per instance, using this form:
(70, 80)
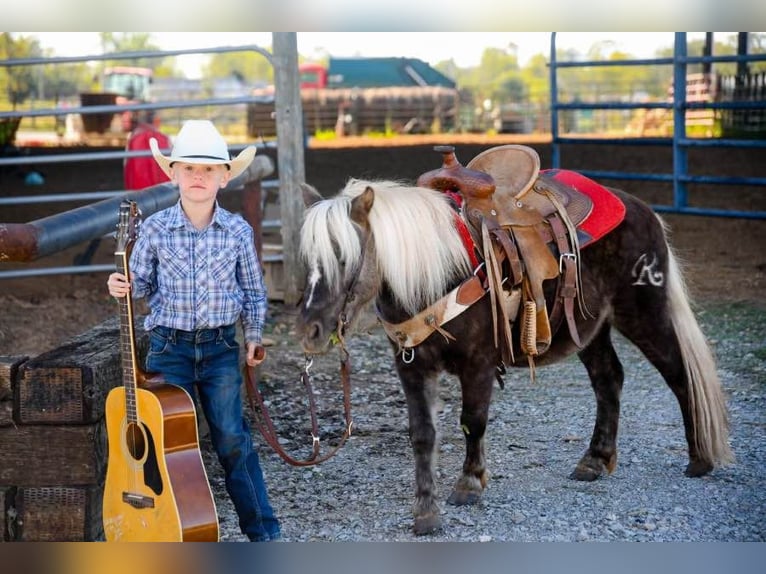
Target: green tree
(138, 42)
(536, 77)
(248, 67)
(19, 82)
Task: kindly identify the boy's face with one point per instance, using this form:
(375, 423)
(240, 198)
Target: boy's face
(200, 182)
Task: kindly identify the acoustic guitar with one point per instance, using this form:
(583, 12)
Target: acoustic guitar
(156, 487)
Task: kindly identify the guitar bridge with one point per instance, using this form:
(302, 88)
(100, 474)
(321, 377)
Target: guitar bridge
(137, 500)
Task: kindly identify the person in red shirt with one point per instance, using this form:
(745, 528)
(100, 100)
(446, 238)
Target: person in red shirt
(141, 172)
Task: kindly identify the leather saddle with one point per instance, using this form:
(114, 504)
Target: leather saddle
(518, 218)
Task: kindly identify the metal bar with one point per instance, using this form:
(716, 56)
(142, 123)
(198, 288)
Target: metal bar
(615, 106)
(94, 156)
(710, 212)
(95, 268)
(680, 156)
(662, 61)
(70, 270)
(608, 63)
(103, 109)
(271, 224)
(743, 105)
(689, 142)
(53, 198)
(555, 141)
(720, 142)
(88, 195)
(596, 174)
(134, 55)
(617, 141)
(724, 180)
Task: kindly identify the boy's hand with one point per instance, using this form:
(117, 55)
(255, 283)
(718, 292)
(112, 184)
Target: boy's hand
(255, 354)
(118, 285)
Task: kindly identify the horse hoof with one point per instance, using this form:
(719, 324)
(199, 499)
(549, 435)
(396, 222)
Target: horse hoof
(586, 473)
(698, 468)
(463, 498)
(427, 524)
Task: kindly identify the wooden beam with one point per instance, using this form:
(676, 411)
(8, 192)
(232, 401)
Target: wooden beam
(54, 514)
(69, 384)
(42, 455)
(290, 158)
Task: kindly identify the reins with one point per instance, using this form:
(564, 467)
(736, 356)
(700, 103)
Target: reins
(266, 426)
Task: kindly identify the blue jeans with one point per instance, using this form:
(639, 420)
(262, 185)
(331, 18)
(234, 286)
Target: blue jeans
(209, 360)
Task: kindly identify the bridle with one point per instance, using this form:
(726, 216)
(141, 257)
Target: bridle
(264, 422)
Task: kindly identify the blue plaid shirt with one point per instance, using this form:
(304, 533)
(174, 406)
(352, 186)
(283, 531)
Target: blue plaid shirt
(196, 279)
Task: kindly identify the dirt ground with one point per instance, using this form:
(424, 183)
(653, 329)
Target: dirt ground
(724, 257)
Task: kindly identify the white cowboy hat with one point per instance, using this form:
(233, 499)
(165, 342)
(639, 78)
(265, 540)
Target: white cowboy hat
(199, 142)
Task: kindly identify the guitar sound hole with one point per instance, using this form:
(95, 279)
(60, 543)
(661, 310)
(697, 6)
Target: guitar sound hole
(135, 441)
(140, 445)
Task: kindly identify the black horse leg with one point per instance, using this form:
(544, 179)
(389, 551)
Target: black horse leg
(421, 392)
(658, 342)
(606, 377)
(476, 393)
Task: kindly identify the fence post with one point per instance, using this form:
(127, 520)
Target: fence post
(680, 156)
(290, 157)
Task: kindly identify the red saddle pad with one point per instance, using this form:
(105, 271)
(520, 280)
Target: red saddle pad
(608, 210)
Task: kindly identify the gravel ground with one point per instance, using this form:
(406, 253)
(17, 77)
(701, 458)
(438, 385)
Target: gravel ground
(536, 434)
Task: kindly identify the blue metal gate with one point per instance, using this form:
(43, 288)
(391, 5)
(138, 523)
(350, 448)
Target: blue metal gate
(680, 143)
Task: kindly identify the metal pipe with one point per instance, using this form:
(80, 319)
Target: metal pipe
(24, 242)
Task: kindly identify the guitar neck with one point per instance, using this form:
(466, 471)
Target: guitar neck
(127, 344)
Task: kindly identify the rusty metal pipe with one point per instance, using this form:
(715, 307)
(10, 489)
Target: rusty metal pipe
(24, 242)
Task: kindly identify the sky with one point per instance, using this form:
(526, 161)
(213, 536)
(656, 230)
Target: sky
(465, 48)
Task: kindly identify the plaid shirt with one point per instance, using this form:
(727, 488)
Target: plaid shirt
(196, 279)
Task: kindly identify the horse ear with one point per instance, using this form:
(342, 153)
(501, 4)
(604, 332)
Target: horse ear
(361, 206)
(310, 194)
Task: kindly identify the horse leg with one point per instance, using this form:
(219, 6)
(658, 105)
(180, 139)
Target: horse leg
(667, 332)
(421, 393)
(606, 377)
(476, 393)
(658, 343)
(702, 408)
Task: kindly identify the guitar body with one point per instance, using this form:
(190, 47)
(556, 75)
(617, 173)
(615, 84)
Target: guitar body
(156, 487)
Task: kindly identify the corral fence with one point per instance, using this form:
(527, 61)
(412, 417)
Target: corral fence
(741, 103)
(56, 232)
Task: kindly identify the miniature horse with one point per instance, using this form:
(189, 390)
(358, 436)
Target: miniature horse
(399, 246)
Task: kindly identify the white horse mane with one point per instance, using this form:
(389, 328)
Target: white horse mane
(418, 247)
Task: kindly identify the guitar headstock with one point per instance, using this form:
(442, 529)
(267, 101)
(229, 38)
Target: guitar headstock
(127, 225)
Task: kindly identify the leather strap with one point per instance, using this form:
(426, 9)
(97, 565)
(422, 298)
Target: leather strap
(567, 289)
(266, 426)
(413, 331)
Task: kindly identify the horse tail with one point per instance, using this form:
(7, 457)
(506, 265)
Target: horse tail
(708, 405)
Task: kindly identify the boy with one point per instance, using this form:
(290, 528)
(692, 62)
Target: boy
(195, 263)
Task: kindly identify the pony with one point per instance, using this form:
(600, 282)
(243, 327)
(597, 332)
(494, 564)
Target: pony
(399, 246)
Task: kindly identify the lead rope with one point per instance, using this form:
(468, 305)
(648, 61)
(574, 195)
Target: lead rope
(266, 426)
